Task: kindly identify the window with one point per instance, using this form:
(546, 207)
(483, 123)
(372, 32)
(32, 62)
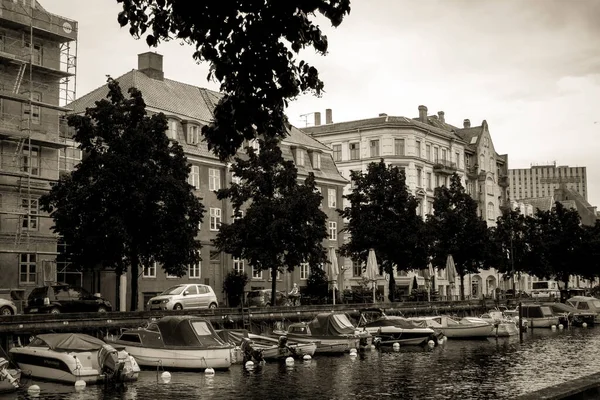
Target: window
(331, 198)
(299, 157)
(304, 271)
(435, 154)
(30, 219)
(429, 180)
(214, 179)
(444, 152)
(194, 270)
(194, 177)
(337, 152)
(332, 230)
(418, 148)
(316, 160)
(68, 158)
(36, 54)
(31, 160)
(399, 147)
(457, 154)
(470, 188)
(35, 110)
(27, 268)
(215, 219)
(256, 273)
(428, 152)
(419, 209)
(430, 207)
(193, 134)
(238, 265)
(356, 269)
(321, 193)
(149, 271)
(490, 211)
(419, 177)
(492, 169)
(374, 148)
(172, 129)
(437, 181)
(354, 151)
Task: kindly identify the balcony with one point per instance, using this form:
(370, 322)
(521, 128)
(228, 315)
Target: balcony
(503, 181)
(444, 167)
(472, 171)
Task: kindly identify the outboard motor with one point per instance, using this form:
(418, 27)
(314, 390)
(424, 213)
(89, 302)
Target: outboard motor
(282, 341)
(250, 354)
(4, 374)
(108, 359)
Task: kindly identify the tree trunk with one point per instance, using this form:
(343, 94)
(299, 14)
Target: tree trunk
(462, 287)
(392, 286)
(135, 266)
(118, 286)
(273, 285)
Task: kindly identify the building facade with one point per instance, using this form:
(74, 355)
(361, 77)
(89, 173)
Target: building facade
(37, 80)
(188, 108)
(543, 180)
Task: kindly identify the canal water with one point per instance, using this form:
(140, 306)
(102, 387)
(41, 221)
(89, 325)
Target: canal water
(488, 369)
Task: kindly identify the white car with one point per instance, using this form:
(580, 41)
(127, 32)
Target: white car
(184, 297)
(7, 307)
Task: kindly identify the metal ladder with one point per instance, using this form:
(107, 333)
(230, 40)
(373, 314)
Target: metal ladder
(19, 79)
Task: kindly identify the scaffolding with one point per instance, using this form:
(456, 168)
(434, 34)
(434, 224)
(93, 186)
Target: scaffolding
(38, 60)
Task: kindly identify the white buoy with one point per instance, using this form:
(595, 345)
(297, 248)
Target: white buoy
(307, 357)
(553, 327)
(289, 361)
(373, 347)
(353, 353)
(431, 344)
(441, 340)
(209, 371)
(584, 325)
(396, 346)
(33, 390)
(249, 364)
(166, 377)
(80, 384)
(561, 326)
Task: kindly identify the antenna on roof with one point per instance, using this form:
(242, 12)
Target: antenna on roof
(317, 118)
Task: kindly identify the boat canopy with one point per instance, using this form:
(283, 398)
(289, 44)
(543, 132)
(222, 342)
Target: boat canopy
(188, 331)
(69, 341)
(233, 336)
(331, 325)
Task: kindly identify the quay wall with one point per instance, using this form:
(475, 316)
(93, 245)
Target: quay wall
(585, 388)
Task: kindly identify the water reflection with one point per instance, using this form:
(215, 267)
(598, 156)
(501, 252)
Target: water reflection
(498, 369)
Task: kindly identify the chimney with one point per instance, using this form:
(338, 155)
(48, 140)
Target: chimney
(423, 114)
(466, 123)
(441, 116)
(383, 115)
(317, 118)
(151, 64)
(328, 116)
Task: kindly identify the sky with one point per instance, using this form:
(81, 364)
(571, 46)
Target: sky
(530, 68)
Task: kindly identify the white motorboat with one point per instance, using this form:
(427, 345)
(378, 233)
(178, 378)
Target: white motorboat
(457, 329)
(70, 357)
(388, 329)
(180, 342)
(9, 377)
(503, 327)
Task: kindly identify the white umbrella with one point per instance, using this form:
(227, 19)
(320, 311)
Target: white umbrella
(334, 270)
(372, 270)
(451, 271)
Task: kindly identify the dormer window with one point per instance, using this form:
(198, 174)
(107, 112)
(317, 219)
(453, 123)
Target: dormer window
(172, 129)
(299, 157)
(193, 134)
(316, 160)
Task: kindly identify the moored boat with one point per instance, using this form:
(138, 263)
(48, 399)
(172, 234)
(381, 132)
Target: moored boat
(388, 330)
(70, 357)
(180, 342)
(457, 329)
(332, 332)
(502, 327)
(9, 377)
(538, 316)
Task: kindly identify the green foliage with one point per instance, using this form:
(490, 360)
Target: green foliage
(317, 285)
(282, 225)
(234, 284)
(508, 240)
(128, 203)
(252, 49)
(382, 216)
(457, 230)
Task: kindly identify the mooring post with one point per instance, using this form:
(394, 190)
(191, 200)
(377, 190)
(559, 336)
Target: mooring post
(520, 323)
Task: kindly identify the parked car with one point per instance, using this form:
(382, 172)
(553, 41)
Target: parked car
(7, 307)
(569, 315)
(262, 298)
(584, 303)
(185, 296)
(64, 298)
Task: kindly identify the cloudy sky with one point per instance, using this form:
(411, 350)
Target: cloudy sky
(531, 68)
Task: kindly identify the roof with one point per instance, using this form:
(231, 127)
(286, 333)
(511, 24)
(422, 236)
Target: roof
(400, 122)
(189, 102)
(539, 203)
(71, 341)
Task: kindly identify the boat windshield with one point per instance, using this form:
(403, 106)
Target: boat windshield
(201, 328)
(37, 342)
(174, 290)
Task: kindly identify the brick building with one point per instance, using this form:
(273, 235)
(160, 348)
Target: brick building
(188, 108)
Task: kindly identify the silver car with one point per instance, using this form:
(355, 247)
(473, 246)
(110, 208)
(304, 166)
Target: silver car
(184, 297)
(7, 307)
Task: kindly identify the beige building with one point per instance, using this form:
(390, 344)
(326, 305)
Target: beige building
(188, 108)
(543, 180)
(37, 79)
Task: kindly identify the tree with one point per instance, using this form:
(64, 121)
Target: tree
(509, 248)
(233, 285)
(590, 267)
(128, 203)
(283, 225)
(252, 49)
(382, 216)
(458, 230)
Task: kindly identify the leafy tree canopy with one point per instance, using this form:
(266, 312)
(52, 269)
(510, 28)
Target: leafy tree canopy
(252, 48)
(128, 202)
(509, 243)
(382, 215)
(282, 225)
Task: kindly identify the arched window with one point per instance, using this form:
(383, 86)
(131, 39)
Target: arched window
(482, 162)
(490, 211)
(492, 167)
